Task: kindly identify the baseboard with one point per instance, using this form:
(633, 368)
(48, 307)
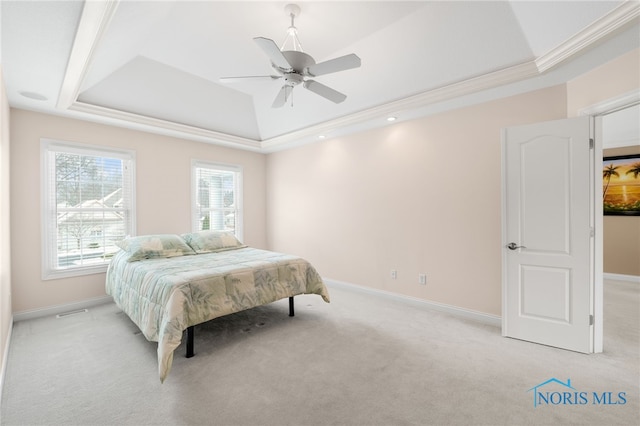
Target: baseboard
(620, 277)
(59, 309)
(493, 320)
(5, 359)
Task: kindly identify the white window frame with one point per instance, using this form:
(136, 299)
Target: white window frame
(195, 212)
(48, 149)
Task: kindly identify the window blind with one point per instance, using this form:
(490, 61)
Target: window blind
(217, 197)
(88, 204)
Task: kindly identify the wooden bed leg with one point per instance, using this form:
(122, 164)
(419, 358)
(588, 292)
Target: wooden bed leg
(190, 342)
(291, 312)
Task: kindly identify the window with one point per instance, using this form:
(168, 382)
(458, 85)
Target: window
(217, 197)
(88, 205)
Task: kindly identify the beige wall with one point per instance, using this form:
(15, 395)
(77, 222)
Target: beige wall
(162, 196)
(419, 197)
(621, 234)
(615, 78)
(5, 226)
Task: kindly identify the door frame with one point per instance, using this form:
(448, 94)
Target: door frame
(597, 111)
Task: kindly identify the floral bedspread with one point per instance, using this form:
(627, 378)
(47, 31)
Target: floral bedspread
(165, 296)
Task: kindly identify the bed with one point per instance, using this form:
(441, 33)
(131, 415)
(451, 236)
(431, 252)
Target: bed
(169, 283)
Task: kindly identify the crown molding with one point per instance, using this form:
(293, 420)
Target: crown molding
(97, 15)
(169, 128)
(613, 21)
(94, 21)
(490, 80)
(466, 87)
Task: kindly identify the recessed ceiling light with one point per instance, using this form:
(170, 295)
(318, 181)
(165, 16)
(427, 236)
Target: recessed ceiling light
(392, 118)
(34, 95)
(321, 136)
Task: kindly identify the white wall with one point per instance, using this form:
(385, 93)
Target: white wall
(621, 128)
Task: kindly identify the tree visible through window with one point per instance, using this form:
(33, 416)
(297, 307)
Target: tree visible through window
(217, 197)
(88, 206)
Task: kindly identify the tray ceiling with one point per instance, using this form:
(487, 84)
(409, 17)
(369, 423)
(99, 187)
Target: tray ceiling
(156, 66)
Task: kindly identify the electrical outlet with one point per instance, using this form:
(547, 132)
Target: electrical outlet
(394, 274)
(422, 278)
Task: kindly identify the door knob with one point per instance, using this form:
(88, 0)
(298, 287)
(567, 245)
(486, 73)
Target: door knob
(514, 246)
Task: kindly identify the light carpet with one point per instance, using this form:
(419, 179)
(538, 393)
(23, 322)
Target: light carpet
(362, 360)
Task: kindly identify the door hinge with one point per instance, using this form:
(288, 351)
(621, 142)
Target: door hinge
(592, 143)
(592, 232)
(590, 319)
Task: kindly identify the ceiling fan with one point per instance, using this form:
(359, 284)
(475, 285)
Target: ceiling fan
(296, 67)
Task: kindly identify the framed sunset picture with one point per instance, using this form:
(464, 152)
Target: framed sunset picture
(621, 185)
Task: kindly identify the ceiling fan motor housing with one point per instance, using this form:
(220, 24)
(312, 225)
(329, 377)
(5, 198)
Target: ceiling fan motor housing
(293, 78)
(299, 61)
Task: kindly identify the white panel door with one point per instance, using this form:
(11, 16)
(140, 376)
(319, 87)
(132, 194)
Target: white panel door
(547, 234)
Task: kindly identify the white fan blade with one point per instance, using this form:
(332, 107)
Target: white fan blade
(248, 77)
(272, 50)
(325, 91)
(281, 97)
(334, 65)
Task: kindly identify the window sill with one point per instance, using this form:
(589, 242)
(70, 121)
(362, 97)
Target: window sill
(72, 272)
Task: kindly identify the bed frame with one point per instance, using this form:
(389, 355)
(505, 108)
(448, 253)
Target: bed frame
(191, 332)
